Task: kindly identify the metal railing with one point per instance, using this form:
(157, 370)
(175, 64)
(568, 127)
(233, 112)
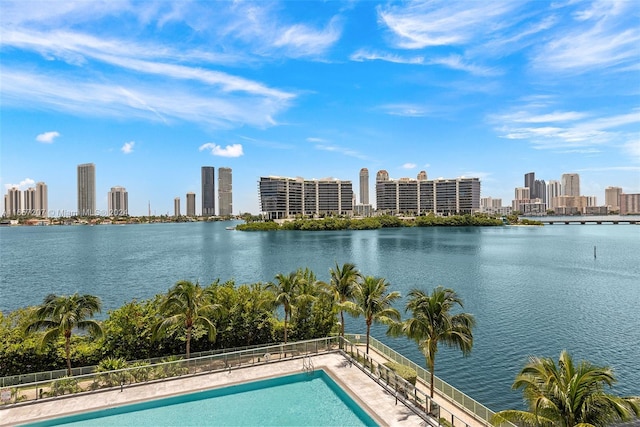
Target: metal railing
(470, 406)
(169, 369)
(13, 380)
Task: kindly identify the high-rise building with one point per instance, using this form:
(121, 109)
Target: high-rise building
(612, 198)
(629, 204)
(13, 202)
(176, 206)
(86, 189)
(42, 200)
(286, 197)
(570, 184)
(191, 204)
(35, 200)
(414, 196)
(208, 192)
(422, 176)
(554, 190)
(30, 201)
(364, 186)
(225, 193)
(529, 181)
(118, 201)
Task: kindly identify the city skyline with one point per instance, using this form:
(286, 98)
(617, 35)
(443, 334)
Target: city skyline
(149, 92)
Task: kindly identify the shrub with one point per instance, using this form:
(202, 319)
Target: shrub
(408, 374)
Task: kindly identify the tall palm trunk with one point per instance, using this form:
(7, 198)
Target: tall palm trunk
(67, 350)
(286, 318)
(368, 330)
(189, 341)
(342, 323)
(431, 368)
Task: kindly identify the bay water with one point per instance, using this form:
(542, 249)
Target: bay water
(533, 290)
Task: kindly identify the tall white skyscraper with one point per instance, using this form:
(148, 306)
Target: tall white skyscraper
(570, 184)
(118, 201)
(225, 192)
(364, 186)
(554, 189)
(86, 189)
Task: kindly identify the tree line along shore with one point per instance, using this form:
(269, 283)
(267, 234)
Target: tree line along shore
(61, 333)
(384, 221)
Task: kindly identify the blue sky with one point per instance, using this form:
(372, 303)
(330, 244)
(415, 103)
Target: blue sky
(151, 91)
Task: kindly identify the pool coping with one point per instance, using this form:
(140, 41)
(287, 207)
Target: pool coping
(377, 402)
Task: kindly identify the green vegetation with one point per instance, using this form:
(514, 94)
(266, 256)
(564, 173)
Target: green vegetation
(189, 305)
(343, 281)
(372, 301)
(372, 223)
(568, 395)
(60, 315)
(405, 372)
(432, 322)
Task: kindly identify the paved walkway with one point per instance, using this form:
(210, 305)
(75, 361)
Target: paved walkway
(447, 405)
(380, 404)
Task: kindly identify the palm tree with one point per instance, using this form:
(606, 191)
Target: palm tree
(60, 315)
(189, 305)
(285, 291)
(342, 284)
(568, 395)
(373, 302)
(431, 322)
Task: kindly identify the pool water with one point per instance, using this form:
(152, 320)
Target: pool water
(311, 399)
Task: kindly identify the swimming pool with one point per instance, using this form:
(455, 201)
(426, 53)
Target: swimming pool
(299, 399)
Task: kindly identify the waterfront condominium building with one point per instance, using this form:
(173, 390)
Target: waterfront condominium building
(191, 204)
(13, 202)
(629, 204)
(176, 206)
(612, 198)
(418, 196)
(42, 199)
(86, 189)
(208, 192)
(529, 182)
(570, 184)
(35, 200)
(364, 186)
(225, 193)
(554, 189)
(118, 201)
(282, 197)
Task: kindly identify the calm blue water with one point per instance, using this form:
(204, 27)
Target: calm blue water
(294, 400)
(533, 290)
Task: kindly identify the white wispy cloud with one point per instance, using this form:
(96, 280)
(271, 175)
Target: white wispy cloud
(439, 23)
(409, 166)
(405, 110)
(570, 131)
(22, 185)
(362, 55)
(342, 150)
(47, 137)
(233, 150)
(139, 99)
(301, 40)
(457, 62)
(604, 34)
(127, 148)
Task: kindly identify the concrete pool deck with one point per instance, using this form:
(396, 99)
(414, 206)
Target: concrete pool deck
(380, 404)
